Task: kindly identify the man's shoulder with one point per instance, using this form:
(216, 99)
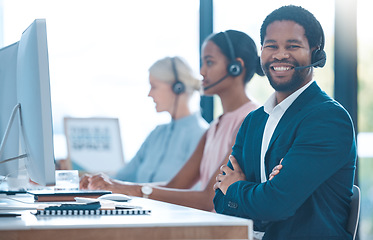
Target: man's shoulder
(323, 102)
(259, 112)
(314, 98)
(256, 117)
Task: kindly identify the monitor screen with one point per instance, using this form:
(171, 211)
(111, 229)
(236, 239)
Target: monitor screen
(8, 99)
(32, 91)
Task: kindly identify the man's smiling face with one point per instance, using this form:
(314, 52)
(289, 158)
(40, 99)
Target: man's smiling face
(285, 47)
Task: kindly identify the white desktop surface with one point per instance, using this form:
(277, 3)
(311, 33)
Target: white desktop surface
(166, 221)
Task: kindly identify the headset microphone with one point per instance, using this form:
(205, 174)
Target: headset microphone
(216, 83)
(311, 65)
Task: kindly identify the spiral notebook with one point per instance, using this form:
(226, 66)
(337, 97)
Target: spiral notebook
(91, 208)
(92, 212)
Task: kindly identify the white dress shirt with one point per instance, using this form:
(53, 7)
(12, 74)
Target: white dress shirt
(275, 112)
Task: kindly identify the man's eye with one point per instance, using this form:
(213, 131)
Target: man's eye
(294, 46)
(270, 46)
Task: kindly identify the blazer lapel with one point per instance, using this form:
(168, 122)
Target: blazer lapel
(293, 111)
(258, 136)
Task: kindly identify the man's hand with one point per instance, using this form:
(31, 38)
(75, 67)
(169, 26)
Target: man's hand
(275, 170)
(230, 177)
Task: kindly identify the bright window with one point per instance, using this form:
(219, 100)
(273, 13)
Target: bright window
(99, 55)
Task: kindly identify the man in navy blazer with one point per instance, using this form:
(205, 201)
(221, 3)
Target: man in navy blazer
(300, 126)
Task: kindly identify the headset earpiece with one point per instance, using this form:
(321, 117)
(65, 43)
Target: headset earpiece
(234, 67)
(178, 87)
(319, 57)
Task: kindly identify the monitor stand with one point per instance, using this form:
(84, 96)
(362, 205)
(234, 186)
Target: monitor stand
(16, 109)
(15, 180)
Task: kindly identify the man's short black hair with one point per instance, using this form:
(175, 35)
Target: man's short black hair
(312, 27)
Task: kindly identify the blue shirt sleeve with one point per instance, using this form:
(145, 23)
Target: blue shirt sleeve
(165, 151)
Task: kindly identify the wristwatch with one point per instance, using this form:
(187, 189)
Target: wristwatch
(146, 191)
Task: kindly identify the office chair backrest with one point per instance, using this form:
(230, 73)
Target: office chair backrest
(353, 219)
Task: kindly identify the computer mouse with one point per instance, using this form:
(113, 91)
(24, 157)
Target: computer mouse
(115, 197)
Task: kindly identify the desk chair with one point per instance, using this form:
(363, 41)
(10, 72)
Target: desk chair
(353, 219)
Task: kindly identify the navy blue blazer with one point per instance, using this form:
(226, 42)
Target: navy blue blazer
(309, 198)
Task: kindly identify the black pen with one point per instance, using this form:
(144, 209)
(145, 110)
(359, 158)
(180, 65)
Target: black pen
(10, 214)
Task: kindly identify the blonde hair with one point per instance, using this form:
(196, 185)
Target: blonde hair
(162, 70)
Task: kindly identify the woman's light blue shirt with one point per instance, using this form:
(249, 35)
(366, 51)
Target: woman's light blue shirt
(165, 151)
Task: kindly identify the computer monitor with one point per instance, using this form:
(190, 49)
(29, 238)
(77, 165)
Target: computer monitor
(8, 99)
(26, 106)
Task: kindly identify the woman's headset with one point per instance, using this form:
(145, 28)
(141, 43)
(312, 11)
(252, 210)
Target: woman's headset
(178, 87)
(234, 67)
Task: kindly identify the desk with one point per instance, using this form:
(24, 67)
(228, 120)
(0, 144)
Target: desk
(166, 221)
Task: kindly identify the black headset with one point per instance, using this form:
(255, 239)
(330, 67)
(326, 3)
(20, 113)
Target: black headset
(178, 87)
(318, 58)
(234, 67)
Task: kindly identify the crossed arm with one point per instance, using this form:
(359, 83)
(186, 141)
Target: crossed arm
(228, 176)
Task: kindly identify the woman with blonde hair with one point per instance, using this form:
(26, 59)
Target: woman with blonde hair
(168, 146)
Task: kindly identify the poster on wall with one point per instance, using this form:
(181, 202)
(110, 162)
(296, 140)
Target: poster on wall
(94, 144)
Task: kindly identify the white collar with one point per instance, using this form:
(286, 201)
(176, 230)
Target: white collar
(271, 103)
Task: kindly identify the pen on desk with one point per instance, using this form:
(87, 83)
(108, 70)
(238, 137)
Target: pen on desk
(121, 206)
(10, 214)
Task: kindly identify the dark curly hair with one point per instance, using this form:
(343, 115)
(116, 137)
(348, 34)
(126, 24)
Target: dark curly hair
(312, 27)
(244, 47)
